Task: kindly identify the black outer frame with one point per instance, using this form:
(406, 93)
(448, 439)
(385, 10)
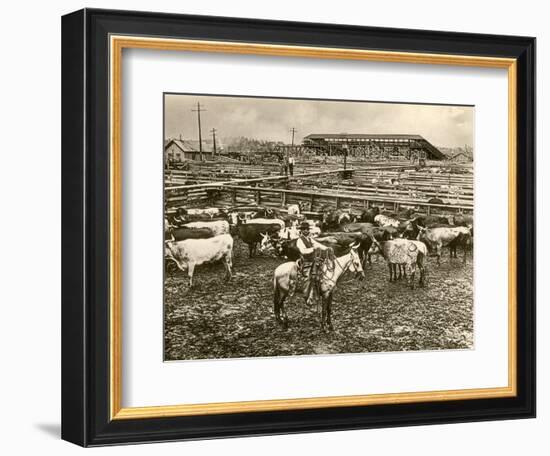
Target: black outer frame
(85, 227)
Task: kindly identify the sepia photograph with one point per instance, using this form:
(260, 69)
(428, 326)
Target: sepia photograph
(316, 227)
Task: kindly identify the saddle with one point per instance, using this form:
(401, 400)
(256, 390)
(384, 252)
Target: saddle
(309, 270)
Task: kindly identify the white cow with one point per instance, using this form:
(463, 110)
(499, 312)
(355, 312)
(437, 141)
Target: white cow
(193, 252)
(265, 221)
(314, 228)
(239, 216)
(384, 220)
(293, 209)
(210, 211)
(438, 237)
(218, 227)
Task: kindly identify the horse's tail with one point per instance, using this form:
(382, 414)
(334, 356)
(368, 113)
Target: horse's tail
(276, 292)
(421, 257)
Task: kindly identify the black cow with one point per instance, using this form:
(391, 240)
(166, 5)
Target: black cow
(183, 233)
(462, 220)
(340, 242)
(369, 214)
(286, 248)
(336, 219)
(251, 233)
(359, 227)
(263, 212)
(463, 240)
(428, 221)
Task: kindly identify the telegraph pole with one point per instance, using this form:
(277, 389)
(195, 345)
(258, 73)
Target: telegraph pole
(293, 130)
(346, 148)
(214, 141)
(198, 111)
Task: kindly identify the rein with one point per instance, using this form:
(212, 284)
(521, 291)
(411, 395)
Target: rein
(344, 269)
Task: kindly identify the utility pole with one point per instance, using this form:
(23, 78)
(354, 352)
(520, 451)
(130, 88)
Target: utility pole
(198, 111)
(293, 130)
(214, 141)
(346, 148)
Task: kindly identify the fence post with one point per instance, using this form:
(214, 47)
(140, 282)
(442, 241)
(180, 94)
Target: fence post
(258, 197)
(283, 199)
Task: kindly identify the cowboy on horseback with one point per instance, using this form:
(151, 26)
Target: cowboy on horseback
(315, 276)
(311, 260)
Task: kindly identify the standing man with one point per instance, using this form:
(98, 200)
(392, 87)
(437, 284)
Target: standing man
(282, 166)
(291, 165)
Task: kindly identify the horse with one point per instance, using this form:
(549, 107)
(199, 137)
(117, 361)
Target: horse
(285, 280)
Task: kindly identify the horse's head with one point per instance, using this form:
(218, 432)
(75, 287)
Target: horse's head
(356, 263)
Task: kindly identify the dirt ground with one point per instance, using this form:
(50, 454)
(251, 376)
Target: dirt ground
(218, 319)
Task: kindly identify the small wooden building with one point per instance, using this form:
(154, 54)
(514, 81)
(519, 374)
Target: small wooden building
(179, 150)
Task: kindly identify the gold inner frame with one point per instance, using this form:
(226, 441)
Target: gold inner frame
(117, 44)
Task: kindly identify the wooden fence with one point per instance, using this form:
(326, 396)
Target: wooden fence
(329, 188)
(315, 201)
(418, 193)
(232, 195)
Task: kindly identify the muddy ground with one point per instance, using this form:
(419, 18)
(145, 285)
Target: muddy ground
(218, 319)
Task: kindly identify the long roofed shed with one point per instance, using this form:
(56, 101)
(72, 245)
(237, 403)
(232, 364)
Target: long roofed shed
(413, 141)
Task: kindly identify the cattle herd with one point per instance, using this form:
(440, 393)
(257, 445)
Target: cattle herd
(404, 240)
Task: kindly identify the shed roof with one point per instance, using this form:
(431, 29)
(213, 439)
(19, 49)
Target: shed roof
(360, 136)
(187, 145)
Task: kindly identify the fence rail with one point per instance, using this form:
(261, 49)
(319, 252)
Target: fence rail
(235, 195)
(327, 188)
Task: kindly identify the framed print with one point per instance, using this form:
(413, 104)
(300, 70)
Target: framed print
(276, 227)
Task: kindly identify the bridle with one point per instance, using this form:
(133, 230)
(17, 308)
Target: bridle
(343, 268)
(375, 242)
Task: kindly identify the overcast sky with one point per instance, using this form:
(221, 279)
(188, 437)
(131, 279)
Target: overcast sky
(272, 119)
